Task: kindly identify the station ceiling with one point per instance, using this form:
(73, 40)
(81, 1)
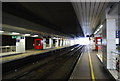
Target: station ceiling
(59, 16)
(89, 14)
(71, 18)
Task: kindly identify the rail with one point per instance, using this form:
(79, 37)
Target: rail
(52, 60)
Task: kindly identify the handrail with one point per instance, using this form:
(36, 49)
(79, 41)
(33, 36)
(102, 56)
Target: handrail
(115, 52)
(6, 46)
(7, 49)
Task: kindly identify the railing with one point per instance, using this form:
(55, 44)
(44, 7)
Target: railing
(117, 63)
(4, 49)
(115, 53)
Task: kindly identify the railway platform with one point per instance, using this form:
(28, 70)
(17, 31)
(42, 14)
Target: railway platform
(77, 40)
(14, 56)
(90, 68)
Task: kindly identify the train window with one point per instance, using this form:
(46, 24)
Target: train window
(37, 42)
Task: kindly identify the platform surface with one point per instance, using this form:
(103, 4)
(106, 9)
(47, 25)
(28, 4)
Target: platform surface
(86, 70)
(26, 54)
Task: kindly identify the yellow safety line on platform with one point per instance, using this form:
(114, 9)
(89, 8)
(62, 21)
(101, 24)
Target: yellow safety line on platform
(91, 67)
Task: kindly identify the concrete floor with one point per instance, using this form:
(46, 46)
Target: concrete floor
(83, 71)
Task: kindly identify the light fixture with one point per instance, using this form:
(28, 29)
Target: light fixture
(101, 26)
(95, 32)
(26, 34)
(1, 31)
(54, 38)
(98, 30)
(7, 46)
(15, 33)
(35, 36)
(59, 38)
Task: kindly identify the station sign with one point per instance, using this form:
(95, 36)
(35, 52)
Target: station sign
(14, 37)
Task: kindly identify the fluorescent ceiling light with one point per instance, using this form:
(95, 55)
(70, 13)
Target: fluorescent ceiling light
(95, 32)
(54, 38)
(98, 30)
(35, 36)
(26, 34)
(59, 38)
(1, 31)
(7, 46)
(15, 33)
(101, 26)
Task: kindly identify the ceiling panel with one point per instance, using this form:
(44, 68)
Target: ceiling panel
(101, 5)
(89, 14)
(96, 10)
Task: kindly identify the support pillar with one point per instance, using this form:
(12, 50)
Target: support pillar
(60, 42)
(108, 42)
(56, 43)
(44, 43)
(50, 43)
(20, 44)
(111, 44)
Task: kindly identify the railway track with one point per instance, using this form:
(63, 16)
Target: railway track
(57, 66)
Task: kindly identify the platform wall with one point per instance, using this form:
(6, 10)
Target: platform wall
(7, 40)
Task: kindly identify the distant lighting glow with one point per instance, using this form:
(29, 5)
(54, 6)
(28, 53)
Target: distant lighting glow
(101, 26)
(15, 33)
(1, 31)
(95, 32)
(59, 38)
(98, 29)
(35, 36)
(117, 40)
(7, 46)
(56, 38)
(27, 35)
(83, 41)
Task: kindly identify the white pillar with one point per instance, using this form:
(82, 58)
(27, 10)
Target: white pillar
(65, 42)
(44, 43)
(50, 43)
(111, 44)
(60, 42)
(56, 45)
(108, 41)
(20, 44)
